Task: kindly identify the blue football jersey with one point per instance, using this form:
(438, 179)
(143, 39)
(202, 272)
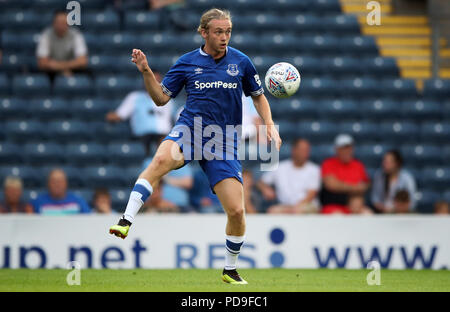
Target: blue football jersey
(214, 90)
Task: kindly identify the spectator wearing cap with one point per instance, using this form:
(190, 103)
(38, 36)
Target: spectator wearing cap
(13, 202)
(342, 177)
(389, 180)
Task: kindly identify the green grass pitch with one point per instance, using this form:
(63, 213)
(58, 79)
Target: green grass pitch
(193, 280)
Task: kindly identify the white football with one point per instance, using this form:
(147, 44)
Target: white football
(282, 80)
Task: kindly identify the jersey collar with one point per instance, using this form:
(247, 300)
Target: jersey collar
(206, 54)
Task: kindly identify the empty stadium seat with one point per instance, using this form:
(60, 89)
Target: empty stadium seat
(320, 152)
(359, 86)
(101, 21)
(380, 108)
(343, 24)
(422, 155)
(338, 109)
(321, 44)
(49, 108)
(91, 108)
(112, 86)
(317, 131)
(25, 130)
(44, 153)
(371, 154)
(13, 62)
(343, 65)
(31, 85)
(68, 130)
(126, 152)
(380, 66)
(437, 178)
(437, 88)
(26, 173)
(141, 21)
(315, 86)
(436, 132)
(399, 131)
(81, 85)
(362, 131)
(13, 108)
(421, 110)
(10, 153)
(86, 153)
(106, 132)
(398, 87)
(426, 200)
(4, 85)
(304, 23)
(104, 175)
(357, 45)
(114, 42)
(119, 198)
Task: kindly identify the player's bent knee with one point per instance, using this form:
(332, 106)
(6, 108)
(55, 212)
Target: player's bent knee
(236, 212)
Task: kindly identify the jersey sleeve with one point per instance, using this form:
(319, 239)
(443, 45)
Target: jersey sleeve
(251, 83)
(174, 80)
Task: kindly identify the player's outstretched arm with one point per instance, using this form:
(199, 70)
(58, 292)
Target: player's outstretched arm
(263, 108)
(152, 85)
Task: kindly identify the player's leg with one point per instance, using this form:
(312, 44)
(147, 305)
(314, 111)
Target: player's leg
(231, 195)
(167, 157)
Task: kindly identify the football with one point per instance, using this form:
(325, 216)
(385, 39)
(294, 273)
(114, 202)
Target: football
(282, 80)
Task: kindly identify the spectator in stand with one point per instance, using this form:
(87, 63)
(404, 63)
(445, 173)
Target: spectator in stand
(12, 202)
(157, 204)
(251, 198)
(356, 205)
(101, 201)
(148, 122)
(201, 196)
(390, 179)
(342, 176)
(176, 186)
(401, 202)
(61, 49)
(441, 208)
(57, 200)
(296, 182)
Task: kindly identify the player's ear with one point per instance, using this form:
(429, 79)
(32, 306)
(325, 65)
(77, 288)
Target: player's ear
(204, 33)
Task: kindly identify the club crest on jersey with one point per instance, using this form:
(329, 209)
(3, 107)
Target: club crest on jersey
(232, 70)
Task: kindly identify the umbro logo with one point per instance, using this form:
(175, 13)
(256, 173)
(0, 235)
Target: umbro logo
(198, 70)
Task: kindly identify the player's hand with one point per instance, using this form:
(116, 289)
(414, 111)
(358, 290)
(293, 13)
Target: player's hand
(138, 57)
(272, 134)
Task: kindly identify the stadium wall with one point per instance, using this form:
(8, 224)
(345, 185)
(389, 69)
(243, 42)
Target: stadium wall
(197, 241)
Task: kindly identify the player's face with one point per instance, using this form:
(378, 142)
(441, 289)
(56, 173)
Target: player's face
(218, 35)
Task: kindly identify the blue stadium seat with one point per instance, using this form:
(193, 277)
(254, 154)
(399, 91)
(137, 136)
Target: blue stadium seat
(25, 130)
(13, 4)
(294, 109)
(19, 41)
(101, 21)
(285, 151)
(93, 4)
(338, 109)
(160, 43)
(308, 65)
(398, 87)
(258, 22)
(315, 86)
(437, 178)
(31, 194)
(245, 42)
(86, 194)
(304, 23)
(86, 153)
(357, 45)
(22, 20)
(380, 66)
(10, 153)
(343, 66)
(320, 152)
(288, 130)
(111, 86)
(4, 85)
(13, 62)
(146, 21)
(49, 108)
(435, 132)
(104, 175)
(122, 64)
(325, 6)
(31, 85)
(13, 108)
(40, 153)
(422, 155)
(279, 42)
(126, 152)
(68, 130)
(321, 44)
(426, 199)
(421, 110)
(263, 62)
(103, 63)
(106, 132)
(446, 196)
(81, 85)
(317, 131)
(91, 108)
(26, 173)
(399, 131)
(119, 198)
(380, 108)
(122, 42)
(359, 86)
(361, 130)
(131, 174)
(343, 24)
(445, 153)
(371, 154)
(436, 88)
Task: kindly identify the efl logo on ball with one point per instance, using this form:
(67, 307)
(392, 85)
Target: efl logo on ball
(282, 80)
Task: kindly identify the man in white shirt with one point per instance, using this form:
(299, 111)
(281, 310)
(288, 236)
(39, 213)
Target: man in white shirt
(149, 122)
(61, 49)
(296, 182)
